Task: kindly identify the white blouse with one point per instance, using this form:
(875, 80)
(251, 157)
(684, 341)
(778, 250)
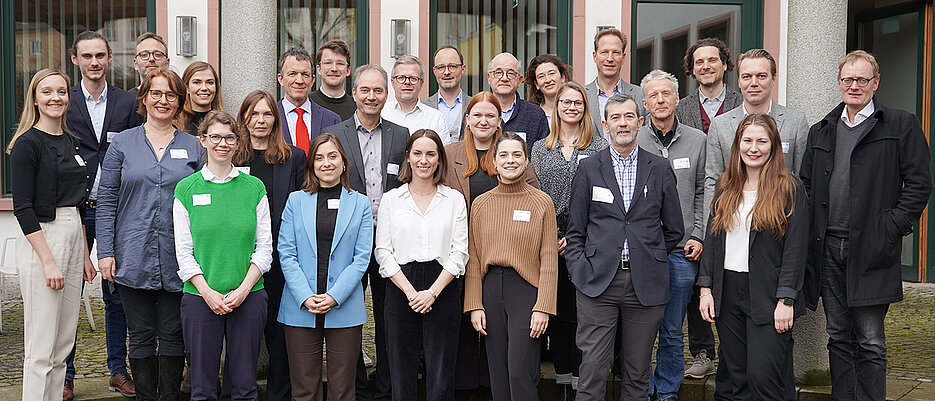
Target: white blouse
(406, 235)
(737, 241)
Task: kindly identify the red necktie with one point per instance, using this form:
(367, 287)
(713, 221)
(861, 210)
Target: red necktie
(301, 132)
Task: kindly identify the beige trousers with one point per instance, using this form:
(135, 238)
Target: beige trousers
(50, 317)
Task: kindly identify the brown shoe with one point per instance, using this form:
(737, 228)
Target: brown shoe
(68, 393)
(123, 384)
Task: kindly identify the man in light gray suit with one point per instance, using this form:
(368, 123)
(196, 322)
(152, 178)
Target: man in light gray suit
(610, 49)
(448, 66)
(757, 72)
(707, 61)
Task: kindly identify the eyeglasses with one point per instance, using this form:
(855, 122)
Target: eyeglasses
(498, 74)
(448, 67)
(156, 55)
(568, 103)
(216, 139)
(861, 82)
(329, 64)
(403, 79)
(170, 96)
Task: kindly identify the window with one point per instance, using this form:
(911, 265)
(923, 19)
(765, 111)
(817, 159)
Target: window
(674, 46)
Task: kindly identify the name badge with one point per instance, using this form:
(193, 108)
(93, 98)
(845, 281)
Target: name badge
(111, 135)
(80, 160)
(680, 163)
(601, 194)
(785, 147)
(392, 168)
(521, 215)
(333, 204)
(521, 134)
(244, 169)
(178, 153)
(582, 157)
(201, 199)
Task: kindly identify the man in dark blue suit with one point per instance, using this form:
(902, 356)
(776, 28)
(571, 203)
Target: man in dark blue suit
(624, 220)
(97, 112)
(302, 119)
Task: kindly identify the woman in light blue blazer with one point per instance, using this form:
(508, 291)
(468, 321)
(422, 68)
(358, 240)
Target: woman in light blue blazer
(324, 249)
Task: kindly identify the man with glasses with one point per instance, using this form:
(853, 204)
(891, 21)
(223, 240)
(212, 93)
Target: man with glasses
(610, 50)
(684, 148)
(405, 109)
(866, 171)
(450, 99)
(151, 53)
(334, 66)
(526, 119)
(302, 119)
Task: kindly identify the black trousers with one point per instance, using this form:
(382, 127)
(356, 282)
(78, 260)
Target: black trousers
(513, 356)
(700, 335)
(154, 322)
(435, 334)
(756, 361)
(382, 392)
(565, 353)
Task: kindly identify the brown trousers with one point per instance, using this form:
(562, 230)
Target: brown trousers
(305, 348)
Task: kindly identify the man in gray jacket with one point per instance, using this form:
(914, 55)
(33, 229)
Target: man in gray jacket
(448, 66)
(610, 50)
(684, 148)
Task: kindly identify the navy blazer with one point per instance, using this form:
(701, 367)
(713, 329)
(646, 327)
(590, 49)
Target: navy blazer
(597, 229)
(320, 118)
(529, 119)
(120, 115)
(287, 177)
(394, 144)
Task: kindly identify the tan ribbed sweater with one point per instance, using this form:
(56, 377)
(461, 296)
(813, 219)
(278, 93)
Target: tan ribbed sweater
(499, 236)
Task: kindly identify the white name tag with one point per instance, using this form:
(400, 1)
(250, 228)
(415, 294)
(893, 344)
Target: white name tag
(333, 204)
(785, 147)
(521, 134)
(681, 163)
(521, 215)
(244, 169)
(178, 153)
(80, 160)
(582, 157)
(111, 135)
(201, 199)
(392, 168)
(601, 194)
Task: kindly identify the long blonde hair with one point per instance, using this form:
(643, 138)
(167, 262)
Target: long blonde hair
(30, 115)
(585, 125)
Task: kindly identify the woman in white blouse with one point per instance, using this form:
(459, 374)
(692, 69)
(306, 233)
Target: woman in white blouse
(421, 245)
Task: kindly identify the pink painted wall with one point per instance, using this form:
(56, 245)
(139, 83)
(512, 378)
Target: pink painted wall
(423, 51)
(374, 30)
(578, 43)
(214, 33)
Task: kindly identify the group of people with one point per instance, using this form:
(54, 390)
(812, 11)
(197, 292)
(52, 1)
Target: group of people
(589, 220)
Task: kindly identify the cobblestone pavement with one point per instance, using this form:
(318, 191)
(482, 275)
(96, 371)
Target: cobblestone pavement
(910, 338)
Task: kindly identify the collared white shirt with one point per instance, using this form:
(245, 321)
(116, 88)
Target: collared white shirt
(861, 115)
(97, 109)
(453, 115)
(744, 106)
(406, 235)
(421, 117)
(262, 255)
(292, 117)
(713, 104)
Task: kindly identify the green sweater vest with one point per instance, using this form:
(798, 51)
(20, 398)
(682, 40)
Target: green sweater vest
(222, 219)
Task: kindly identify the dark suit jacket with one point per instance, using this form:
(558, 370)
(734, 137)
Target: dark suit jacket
(321, 117)
(689, 109)
(457, 164)
(530, 119)
(777, 266)
(394, 144)
(120, 115)
(597, 230)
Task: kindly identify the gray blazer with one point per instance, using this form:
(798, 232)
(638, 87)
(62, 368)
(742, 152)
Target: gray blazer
(793, 130)
(689, 109)
(598, 115)
(394, 145)
(456, 130)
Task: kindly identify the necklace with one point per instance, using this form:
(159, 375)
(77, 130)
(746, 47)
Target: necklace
(425, 194)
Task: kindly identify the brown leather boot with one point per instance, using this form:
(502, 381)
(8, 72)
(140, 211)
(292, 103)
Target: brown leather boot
(68, 393)
(123, 384)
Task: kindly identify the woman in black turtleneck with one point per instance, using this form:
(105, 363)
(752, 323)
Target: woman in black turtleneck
(202, 94)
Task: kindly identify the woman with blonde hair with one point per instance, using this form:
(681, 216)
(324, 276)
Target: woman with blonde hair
(49, 193)
(202, 94)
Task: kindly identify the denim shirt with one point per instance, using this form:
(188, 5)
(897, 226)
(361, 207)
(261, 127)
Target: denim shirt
(134, 215)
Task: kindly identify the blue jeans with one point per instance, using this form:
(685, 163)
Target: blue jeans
(670, 359)
(115, 323)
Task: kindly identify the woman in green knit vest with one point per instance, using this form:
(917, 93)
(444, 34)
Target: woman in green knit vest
(223, 245)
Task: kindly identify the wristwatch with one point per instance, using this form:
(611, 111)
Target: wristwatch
(788, 301)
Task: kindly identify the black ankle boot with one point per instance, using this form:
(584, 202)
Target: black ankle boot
(170, 377)
(145, 376)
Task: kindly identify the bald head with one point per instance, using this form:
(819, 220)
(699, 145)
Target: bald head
(504, 74)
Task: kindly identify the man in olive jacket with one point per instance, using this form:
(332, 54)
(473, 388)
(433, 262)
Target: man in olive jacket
(866, 170)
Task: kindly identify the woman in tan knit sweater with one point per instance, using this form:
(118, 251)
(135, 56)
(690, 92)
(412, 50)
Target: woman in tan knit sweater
(512, 272)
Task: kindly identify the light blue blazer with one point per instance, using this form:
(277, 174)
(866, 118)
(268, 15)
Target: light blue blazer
(350, 256)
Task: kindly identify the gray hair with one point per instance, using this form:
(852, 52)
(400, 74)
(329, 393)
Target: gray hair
(299, 54)
(490, 64)
(368, 67)
(660, 74)
(409, 59)
(620, 98)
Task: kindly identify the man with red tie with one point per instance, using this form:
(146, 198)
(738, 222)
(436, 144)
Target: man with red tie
(302, 119)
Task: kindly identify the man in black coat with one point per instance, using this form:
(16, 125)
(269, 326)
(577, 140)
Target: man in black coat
(866, 169)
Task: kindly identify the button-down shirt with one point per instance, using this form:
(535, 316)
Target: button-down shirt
(625, 171)
(371, 150)
(97, 109)
(262, 255)
(134, 214)
(453, 115)
(713, 104)
(603, 96)
(292, 117)
(421, 117)
(507, 114)
(408, 235)
(861, 115)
